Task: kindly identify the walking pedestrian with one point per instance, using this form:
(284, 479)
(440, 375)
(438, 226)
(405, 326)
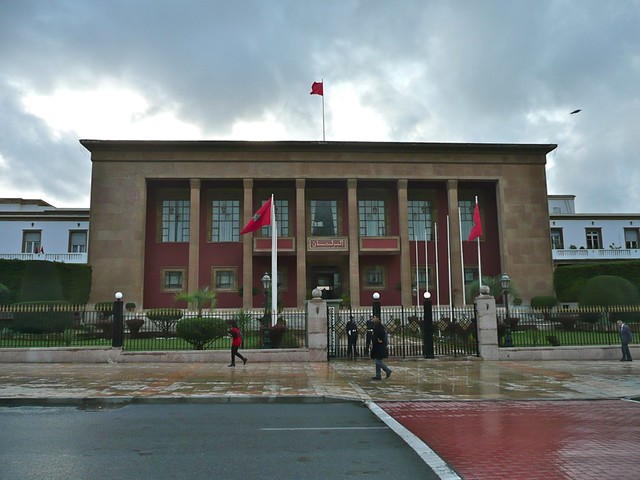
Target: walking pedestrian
(369, 335)
(352, 338)
(236, 341)
(379, 349)
(625, 339)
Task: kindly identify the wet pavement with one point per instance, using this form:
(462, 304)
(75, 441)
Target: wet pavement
(486, 420)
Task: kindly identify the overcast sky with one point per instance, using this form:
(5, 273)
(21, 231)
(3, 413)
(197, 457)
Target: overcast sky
(505, 71)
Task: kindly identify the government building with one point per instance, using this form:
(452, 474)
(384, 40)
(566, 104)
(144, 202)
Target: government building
(353, 218)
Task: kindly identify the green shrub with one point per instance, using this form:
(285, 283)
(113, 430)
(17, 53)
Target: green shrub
(164, 318)
(201, 331)
(544, 302)
(605, 291)
(42, 317)
(4, 294)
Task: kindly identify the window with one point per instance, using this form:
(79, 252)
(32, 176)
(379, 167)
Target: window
(372, 220)
(594, 239)
(466, 217)
(420, 220)
(175, 221)
(225, 279)
(324, 218)
(282, 219)
(422, 280)
(225, 220)
(374, 277)
(631, 238)
(470, 275)
(31, 241)
(556, 239)
(77, 241)
(173, 280)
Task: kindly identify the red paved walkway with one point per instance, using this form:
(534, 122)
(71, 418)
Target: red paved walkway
(526, 440)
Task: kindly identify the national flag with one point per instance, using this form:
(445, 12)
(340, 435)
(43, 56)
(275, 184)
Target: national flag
(316, 89)
(261, 218)
(41, 249)
(476, 231)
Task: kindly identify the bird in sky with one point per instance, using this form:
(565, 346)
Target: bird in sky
(576, 111)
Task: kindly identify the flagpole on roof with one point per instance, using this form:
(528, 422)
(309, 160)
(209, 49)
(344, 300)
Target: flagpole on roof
(323, 137)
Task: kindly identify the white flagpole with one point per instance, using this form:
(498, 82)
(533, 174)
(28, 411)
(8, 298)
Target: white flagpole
(323, 136)
(464, 293)
(426, 263)
(435, 238)
(415, 237)
(449, 267)
(274, 263)
(479, 261)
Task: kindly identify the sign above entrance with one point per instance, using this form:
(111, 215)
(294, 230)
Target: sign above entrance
(328, 244)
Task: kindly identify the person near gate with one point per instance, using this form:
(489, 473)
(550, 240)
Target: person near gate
(379, 349)
(236, 341)
(352, 338)
(369, 335)
(625, 339)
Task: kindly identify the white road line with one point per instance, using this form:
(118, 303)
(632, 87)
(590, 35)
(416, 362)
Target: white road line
(322, 428)
(431, 458)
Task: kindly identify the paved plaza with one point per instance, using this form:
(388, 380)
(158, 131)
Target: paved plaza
(484, 420)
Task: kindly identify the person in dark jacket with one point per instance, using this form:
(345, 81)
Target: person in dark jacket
(236, 341)
(352, 338)
(379, 349)
(625, 339)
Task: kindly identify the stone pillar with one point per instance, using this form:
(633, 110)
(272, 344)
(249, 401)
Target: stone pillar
(405, 254)
(454, 244)
(193, 275)
(487, 325)
(301, 243)
(247, 248)
(317, 327)
(354, 244)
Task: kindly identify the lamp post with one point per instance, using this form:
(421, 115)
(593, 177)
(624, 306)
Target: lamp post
(505, 281)
(266, 339)
(376, 305)
(118, 323)
(427, 329)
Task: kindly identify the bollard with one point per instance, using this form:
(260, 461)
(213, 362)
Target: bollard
(427, 328)
(118, 322)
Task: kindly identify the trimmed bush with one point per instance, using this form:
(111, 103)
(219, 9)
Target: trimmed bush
(201, 331)
(605, 291)
(164, 318)
(42, 317)
(544, 302)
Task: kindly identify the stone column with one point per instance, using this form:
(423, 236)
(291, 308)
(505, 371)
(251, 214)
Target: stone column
(247, 248)
(405, 254)
(487, 325)
(354, 245)
(454, 244)
(301, 243)
(193, 274)
(317, 327)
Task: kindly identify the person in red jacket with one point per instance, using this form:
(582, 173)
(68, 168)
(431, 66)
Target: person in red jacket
(236, 341)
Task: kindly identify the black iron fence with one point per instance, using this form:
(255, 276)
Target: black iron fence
(56, 325)
(585, 326)
(454, 331)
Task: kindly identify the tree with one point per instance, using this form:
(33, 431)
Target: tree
(198, 299)
(472, 289)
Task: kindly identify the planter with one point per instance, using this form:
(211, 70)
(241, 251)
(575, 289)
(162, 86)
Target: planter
(134, 325)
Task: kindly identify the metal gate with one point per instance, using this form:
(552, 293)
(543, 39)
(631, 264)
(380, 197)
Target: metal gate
(454, 331)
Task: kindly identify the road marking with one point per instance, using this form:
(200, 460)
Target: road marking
(321, 428)
(431, 458)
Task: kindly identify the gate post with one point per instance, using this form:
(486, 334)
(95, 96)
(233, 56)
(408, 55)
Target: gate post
(317, 327)
(487, 325)
(118, 322)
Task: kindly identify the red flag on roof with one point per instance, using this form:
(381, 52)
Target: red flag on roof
(316, 89)
(261, 218)
(476, 230)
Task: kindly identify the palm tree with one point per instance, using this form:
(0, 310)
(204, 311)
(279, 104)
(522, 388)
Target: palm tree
(198, 299)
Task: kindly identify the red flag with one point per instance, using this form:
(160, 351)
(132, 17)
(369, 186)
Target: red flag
(476, 230)
(261, 218)
(316, 89)
(41, 249)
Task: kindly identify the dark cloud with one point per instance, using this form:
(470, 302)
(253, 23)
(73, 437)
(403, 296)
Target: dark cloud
(491, 71)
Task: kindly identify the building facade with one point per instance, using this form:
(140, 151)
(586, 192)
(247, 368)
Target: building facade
(352, 219)
(35, 230)
(590, 237)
